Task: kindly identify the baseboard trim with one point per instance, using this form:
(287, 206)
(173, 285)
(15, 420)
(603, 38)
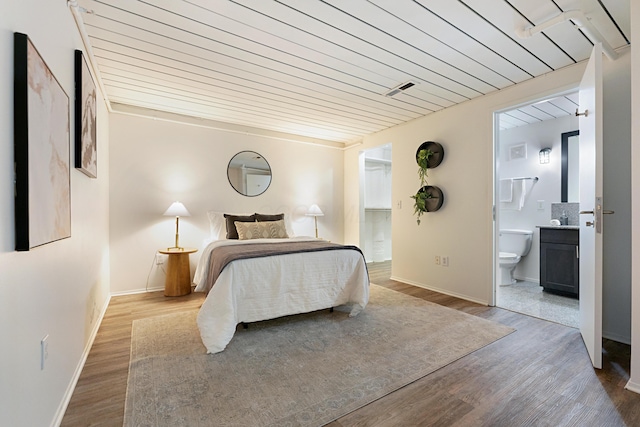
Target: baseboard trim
(439, 290)
(76, 375)
(137, 291)
(616, 337)
(632, 386)
(527, 279)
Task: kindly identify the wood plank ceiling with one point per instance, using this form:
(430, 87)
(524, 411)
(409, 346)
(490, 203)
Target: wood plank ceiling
(321, 68)
(545, 109)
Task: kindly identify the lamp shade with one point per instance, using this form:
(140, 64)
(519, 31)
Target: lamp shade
(314, 210)
(177, 209)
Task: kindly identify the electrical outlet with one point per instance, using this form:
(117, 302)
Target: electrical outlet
(44, 350)
(159, 259)
(445, 261)
(437, 260)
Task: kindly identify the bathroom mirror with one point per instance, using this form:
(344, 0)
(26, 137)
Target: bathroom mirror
(570, 177)
(249, 173)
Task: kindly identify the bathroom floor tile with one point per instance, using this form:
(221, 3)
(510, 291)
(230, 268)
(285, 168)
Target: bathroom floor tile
(528, 298)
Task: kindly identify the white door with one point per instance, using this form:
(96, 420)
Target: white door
(257, 184)
(590, 124)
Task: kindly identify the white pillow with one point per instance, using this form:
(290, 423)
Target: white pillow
(217, 226)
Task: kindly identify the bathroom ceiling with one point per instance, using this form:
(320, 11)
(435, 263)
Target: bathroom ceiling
(321, 68)
(547, 109)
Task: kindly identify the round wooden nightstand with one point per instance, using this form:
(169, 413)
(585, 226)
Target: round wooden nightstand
(178, 280)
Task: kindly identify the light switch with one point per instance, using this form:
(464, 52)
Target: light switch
(540, 205)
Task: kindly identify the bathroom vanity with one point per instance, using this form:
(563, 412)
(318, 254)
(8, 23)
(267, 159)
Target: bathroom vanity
(559, 259)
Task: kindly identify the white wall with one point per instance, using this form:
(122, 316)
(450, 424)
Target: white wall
(536, 136)
(60, 288)
(156, 162)
(634, 381)
(463, 228)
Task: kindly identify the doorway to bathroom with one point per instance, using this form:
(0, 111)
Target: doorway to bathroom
(375, 203)
(532, 169)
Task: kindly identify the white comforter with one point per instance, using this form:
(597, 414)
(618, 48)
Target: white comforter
(256, 289)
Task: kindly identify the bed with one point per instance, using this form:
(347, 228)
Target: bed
(266, 278)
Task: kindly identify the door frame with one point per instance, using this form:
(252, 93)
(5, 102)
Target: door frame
(362, 156)
(496, 177)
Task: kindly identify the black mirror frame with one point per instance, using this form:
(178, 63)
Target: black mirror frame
(564, 175)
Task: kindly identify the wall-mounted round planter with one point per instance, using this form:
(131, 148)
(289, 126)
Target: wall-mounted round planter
(437, 197)
(436, 149)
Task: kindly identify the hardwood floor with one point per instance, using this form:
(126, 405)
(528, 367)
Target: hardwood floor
(539, 375)
(98, 399)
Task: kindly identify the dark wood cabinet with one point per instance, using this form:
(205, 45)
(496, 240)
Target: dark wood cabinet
(559, 263)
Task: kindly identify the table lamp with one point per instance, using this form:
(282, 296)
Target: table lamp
(315, 212)
(177, 209)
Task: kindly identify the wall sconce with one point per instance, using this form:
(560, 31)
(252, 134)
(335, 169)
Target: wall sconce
(177, 209)
(545, 156)
(315, 212)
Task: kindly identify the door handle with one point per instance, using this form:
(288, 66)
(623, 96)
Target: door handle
(597, 213)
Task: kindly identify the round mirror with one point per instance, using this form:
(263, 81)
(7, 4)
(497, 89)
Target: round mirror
(249, 173)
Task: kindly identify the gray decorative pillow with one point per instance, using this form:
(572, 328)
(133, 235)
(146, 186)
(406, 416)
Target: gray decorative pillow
(231, 220)
(261, 230)
(268, 217)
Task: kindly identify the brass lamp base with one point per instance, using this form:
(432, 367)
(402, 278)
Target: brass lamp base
(177, 247)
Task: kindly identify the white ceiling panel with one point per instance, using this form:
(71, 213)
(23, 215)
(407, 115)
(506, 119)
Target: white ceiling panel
(449, 35)
(384, 30)
(536, 113)
(552, 109)
(507, 121)
(346, 32)
(561, 106)
(321, 68)
(523, 115)
(505, 18)
(599, 13)
(618, 12)
(565, 36)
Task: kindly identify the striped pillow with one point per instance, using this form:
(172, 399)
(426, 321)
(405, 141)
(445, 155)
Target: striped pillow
(261, 230)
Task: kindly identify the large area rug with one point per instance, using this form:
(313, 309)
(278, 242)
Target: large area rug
(304, 370)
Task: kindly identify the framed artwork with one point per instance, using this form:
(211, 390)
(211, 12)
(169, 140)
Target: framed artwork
(86, 148)
(41, 150)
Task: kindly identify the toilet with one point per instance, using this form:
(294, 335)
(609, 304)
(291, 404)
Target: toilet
(513, 245)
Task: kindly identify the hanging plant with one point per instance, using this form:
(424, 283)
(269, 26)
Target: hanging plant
(420, 203)
(428, 198)
(420, 198)
(437, 153)
(422, 158)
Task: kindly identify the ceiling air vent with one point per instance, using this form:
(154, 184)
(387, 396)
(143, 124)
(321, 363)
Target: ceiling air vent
(400, 88)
